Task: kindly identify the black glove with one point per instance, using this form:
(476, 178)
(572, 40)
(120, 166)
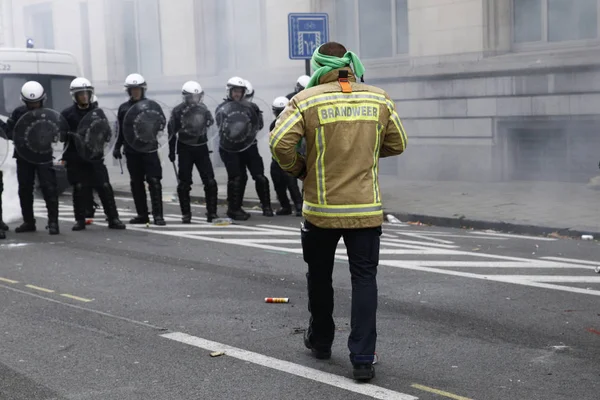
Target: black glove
(172, 157)
(117, 153)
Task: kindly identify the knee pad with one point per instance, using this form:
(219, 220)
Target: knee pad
(261, 179)
(184, 187)
(153, 181)
(78, 187)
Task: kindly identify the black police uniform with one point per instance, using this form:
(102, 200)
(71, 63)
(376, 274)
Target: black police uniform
(87, 175)
(236, 164)
(141, 166)
(191, 155)
(26, 172)
(282, 181)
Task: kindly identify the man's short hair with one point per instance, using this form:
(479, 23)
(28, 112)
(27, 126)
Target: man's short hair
(333, 49)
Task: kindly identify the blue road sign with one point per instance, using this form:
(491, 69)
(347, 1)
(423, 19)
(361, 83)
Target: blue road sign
(307, 31)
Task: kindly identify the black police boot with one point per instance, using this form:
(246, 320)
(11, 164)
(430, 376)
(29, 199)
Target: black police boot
(296, 196)
(286, 208)
(211, 192)
(26, 200)
(51, 199)
(156, 200)
(264, 194)
(27, 226)
(235, 196)
(183, 192)
(138, 191)
(79, 203)
(2, 234)
(107, 198)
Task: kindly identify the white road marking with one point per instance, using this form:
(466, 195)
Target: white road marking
(326, 378)
(512, 236)
(573, 260)
(272, 238)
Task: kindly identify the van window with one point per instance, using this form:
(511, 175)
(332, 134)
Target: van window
(58, 96)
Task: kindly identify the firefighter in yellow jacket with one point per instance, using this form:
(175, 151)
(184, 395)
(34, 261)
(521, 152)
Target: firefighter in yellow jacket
(347, 126)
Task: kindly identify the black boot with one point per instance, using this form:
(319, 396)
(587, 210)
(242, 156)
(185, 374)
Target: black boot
(296, 195)
(51, 198)
(235, 196)
(79, 203)
(26, 200)
(211, 192)
(107, 198)
(2, 234)
(138, 191)
(183, 192)
(281, 191)
(156, 200)
(264, 194)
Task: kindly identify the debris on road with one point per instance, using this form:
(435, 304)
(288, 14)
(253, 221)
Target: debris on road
(418, 223)
(587, 237)
(392, 219)
(217, 353)
(222, 222)
(597, 270)
(277, 300)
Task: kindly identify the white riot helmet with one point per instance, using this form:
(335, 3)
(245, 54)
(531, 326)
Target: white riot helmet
(249, 91)
(279, 104)
(135, 81)
(192, 90)
(233, 83)
(32, 92)
(79, 85)
(302, 82)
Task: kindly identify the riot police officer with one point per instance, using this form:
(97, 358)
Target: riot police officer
(282, 181)
(300, 86)
(188, 139)
(141, 165)
(87, 173)
(33, 95)
(237, 160)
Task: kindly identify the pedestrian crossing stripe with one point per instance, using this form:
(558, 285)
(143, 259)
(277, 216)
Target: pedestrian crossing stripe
(400, 248)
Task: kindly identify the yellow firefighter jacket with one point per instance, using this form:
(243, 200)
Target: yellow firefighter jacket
(346, 132)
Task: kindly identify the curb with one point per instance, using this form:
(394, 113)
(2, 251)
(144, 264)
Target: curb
(507, 227)
(446, 222)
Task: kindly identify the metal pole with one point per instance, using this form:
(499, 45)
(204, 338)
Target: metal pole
(307, 67)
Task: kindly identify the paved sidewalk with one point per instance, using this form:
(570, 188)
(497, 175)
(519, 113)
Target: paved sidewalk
(526, 207)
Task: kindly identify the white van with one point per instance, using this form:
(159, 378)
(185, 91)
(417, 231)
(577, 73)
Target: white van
(54, 70)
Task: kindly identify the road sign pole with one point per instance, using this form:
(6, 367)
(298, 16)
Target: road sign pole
(307, 67)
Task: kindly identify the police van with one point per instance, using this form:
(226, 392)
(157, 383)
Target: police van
(54, 70)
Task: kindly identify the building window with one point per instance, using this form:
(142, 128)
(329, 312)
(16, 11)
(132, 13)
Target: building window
(373, 28)
(85, 39)
(130, 48)
(554, 20)
(41, 25)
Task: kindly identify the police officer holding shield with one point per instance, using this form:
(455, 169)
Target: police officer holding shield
(239, 122)
(300, 86)
(90, 134)
(33, 129)
(282, 181)
(140, 121)
(188, 138)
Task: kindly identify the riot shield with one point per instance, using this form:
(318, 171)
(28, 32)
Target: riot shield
(144, 127)
(194, 126)
(239, 126)
(95, 136)
(37, 136)
(4, 144)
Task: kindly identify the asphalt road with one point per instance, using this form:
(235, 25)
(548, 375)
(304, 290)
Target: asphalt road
(135, 314)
